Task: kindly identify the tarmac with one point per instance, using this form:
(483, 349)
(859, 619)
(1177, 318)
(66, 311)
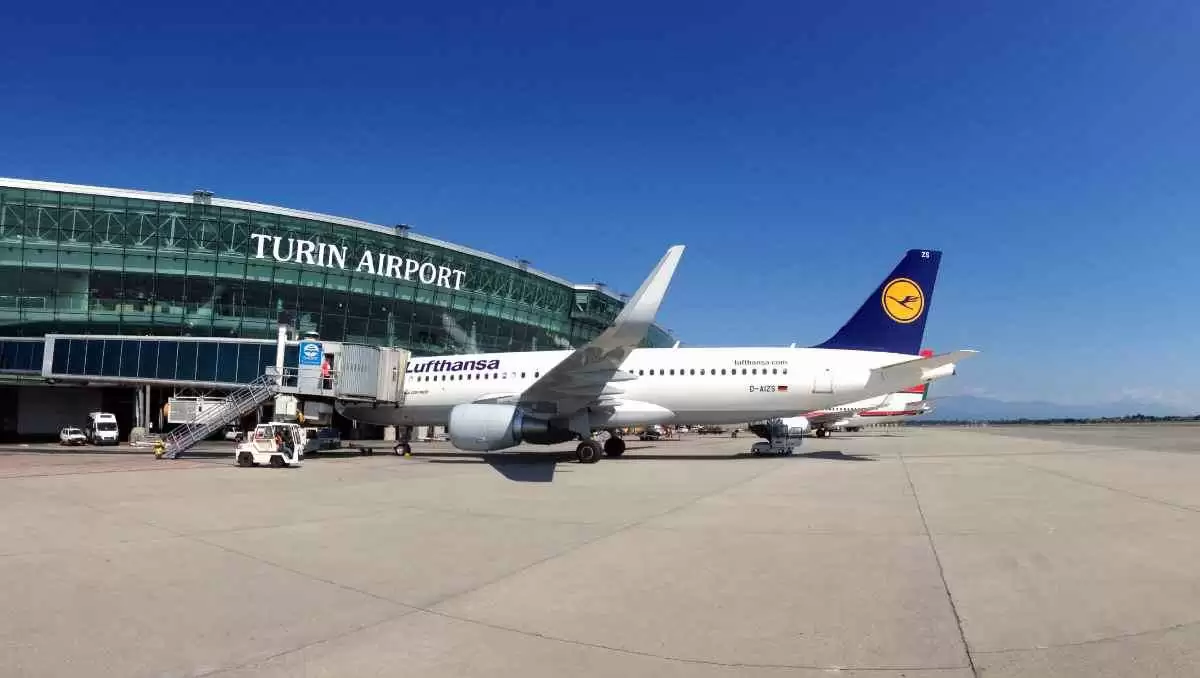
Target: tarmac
(916, 552)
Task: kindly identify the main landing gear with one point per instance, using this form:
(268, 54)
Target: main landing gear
(614, 446)
(822, 433)
(588, 451)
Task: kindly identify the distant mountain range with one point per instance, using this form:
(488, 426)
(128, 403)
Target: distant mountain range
(960, 407)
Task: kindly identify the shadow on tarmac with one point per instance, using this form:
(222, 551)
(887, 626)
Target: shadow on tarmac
(539, 467)
(522, 467)
(835, 455)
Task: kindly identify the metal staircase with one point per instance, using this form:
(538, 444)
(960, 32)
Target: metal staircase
(235, 405)
(768, 428)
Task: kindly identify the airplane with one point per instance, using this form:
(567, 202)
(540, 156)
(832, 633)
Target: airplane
(493, 401)
(897, 407)
(890, 408)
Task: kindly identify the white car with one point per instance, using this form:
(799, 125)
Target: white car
(71, 436)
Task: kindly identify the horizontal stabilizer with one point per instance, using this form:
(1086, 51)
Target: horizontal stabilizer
(899, 376)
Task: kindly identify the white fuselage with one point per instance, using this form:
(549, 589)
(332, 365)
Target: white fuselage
(668, 385)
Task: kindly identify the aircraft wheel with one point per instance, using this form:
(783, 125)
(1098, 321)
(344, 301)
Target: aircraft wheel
(588, 452)
(614, 447)
(402, 450)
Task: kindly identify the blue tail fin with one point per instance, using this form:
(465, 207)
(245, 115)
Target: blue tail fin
(892, 319)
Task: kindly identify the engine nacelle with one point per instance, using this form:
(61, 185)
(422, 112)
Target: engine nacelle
(486, 428)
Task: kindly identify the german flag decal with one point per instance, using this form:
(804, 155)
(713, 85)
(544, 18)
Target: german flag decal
(782, 389)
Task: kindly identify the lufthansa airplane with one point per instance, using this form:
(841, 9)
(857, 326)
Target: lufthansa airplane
(495, 401)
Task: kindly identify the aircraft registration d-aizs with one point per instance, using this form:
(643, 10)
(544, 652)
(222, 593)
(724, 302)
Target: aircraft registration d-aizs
(494, 401)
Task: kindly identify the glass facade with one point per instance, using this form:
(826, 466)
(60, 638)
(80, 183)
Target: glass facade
(77, 260)
(175, 360)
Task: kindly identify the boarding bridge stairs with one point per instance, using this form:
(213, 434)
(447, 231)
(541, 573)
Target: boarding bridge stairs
(367, 374)
(235, 405)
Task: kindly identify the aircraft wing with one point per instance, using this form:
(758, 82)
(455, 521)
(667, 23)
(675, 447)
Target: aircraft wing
(582, 378)
(899, 376)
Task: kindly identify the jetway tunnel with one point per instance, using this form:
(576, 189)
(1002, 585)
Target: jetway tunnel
(135, 376)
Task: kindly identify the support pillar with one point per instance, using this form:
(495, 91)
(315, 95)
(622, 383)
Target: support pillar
(281, 338)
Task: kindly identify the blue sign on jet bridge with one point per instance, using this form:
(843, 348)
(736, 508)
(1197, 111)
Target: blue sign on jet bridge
(311, 353)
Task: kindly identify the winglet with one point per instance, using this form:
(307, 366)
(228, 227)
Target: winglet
(643, 306)
(579, 379)
(635, 319)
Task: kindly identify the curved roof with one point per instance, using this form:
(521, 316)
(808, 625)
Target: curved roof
(288, 212)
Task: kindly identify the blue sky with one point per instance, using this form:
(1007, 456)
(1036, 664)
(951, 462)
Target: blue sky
(1048, 148)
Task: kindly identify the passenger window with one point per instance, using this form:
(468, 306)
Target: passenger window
(702, 371)
(536, 375)
(785, 370)
(522, 375)
(641, 372)
(691, 371)
(743, 371)
(672, 373)
(722, 371)
(754, 371)
(652, 373)
(774, 370)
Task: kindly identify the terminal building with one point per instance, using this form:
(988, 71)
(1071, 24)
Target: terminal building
(121, 299)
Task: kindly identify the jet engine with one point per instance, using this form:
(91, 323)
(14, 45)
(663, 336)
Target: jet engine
(486, 428)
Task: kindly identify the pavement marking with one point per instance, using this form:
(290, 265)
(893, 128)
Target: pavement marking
(938, 560)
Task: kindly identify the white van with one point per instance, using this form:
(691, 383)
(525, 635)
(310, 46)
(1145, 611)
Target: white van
(101, 429)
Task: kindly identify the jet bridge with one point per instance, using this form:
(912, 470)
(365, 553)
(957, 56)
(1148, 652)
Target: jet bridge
(365, 374)
(248, 371)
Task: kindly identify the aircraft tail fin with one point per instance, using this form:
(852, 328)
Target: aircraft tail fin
(892, 319)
